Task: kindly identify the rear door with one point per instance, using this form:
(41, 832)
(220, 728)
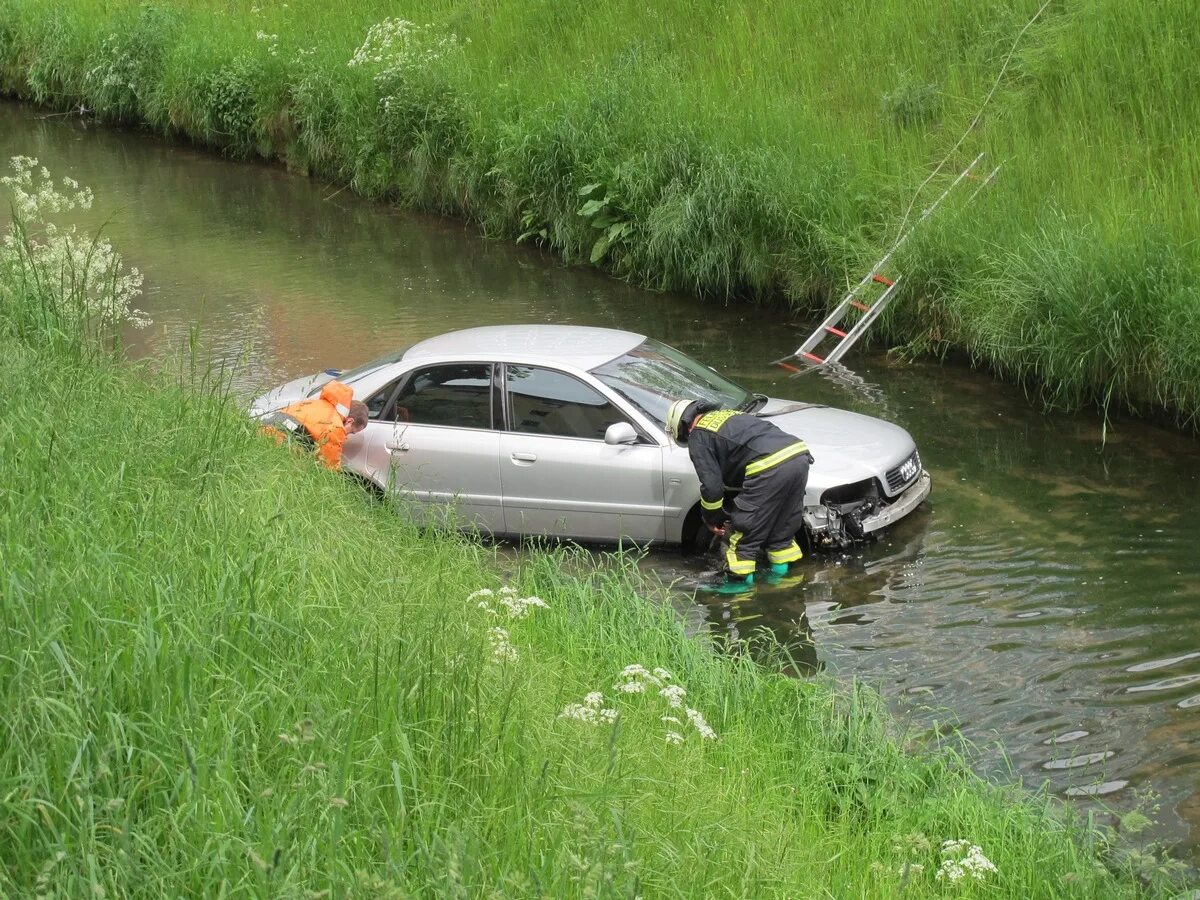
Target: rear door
(431, 439)
(559, 477)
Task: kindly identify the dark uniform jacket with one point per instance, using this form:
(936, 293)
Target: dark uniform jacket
(727, 446)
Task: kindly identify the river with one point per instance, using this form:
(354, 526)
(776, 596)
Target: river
(1044, 601)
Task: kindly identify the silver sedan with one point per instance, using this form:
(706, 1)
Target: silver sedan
(558, 430)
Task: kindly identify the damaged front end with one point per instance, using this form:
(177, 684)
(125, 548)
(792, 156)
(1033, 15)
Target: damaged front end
(851, 514)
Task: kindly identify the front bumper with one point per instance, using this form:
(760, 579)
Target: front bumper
(904, 504)
(840, 525)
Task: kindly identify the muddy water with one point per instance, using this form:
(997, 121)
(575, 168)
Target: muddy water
(1045, 600)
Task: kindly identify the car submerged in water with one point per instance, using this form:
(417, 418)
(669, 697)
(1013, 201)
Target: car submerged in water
(559, 431)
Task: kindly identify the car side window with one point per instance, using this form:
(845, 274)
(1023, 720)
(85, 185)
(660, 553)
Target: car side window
(456, 395)
(542, 401)
(377, 401)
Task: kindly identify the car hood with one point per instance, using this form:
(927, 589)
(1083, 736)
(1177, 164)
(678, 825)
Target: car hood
(846, 446)
(285, 394)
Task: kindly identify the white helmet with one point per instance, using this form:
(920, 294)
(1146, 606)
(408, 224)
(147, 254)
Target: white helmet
(676, 421)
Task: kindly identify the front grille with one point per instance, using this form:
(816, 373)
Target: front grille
(905, 472)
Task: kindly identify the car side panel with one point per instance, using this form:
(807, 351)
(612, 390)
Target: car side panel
(581, 489)
(444, 471)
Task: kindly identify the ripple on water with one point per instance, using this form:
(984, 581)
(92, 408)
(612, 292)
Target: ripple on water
(1166, 684)
(1066, 737)
(1076, 762)
(1098, 789)
(1153, 664)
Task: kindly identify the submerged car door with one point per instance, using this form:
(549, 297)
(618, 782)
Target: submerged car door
(430, 438)
(558, 475)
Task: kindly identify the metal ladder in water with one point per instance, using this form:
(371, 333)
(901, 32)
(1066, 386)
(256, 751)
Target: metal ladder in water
(836, 323)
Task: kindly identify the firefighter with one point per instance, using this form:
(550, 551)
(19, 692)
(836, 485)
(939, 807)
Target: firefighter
(322, 423)
(732, 449)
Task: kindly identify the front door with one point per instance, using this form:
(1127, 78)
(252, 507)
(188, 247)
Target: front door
(558, 476)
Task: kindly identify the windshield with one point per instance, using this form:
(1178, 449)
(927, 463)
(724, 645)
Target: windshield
(652, 375)
(366, 368)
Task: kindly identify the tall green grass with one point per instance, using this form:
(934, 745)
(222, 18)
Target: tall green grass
(226, 673)
(748, 151)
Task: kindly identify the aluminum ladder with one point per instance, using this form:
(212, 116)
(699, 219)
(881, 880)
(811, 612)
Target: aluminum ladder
(856, 302)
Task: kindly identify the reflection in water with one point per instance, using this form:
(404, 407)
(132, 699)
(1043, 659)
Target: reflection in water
(1046, 594)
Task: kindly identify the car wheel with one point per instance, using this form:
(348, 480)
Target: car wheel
(695, 538)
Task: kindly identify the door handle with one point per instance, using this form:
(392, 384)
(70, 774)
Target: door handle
(524, 457)
(393, 446)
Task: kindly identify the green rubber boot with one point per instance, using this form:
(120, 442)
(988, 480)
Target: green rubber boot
(730, 584)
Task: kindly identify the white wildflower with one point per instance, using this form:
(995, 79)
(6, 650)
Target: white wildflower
(701, 726)
(974, 863)
(950, 871)
(519, 607)
(673, 694)
(271, 40)
(503, 650)
(85, 272)
(516, 607)
(590, 711)
(394, 45)
(578, 711)
(637, 670)
(637, 679)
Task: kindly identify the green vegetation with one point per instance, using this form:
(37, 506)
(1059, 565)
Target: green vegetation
(750, 151)
(225, 672)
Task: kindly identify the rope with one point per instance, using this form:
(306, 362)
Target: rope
(974, 122)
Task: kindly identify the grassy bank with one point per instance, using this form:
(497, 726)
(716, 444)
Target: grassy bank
(226, 673)
(739, 150)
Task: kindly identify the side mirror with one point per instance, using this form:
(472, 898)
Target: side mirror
(620, 433)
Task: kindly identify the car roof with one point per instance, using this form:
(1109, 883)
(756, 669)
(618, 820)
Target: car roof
(582, 346)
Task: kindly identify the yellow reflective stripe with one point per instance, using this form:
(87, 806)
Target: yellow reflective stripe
(760, 465)
(788, 554)
(735, 565)
(739, 566)
(712, 504)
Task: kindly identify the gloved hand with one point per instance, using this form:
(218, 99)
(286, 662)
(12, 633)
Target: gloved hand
(715, 520)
